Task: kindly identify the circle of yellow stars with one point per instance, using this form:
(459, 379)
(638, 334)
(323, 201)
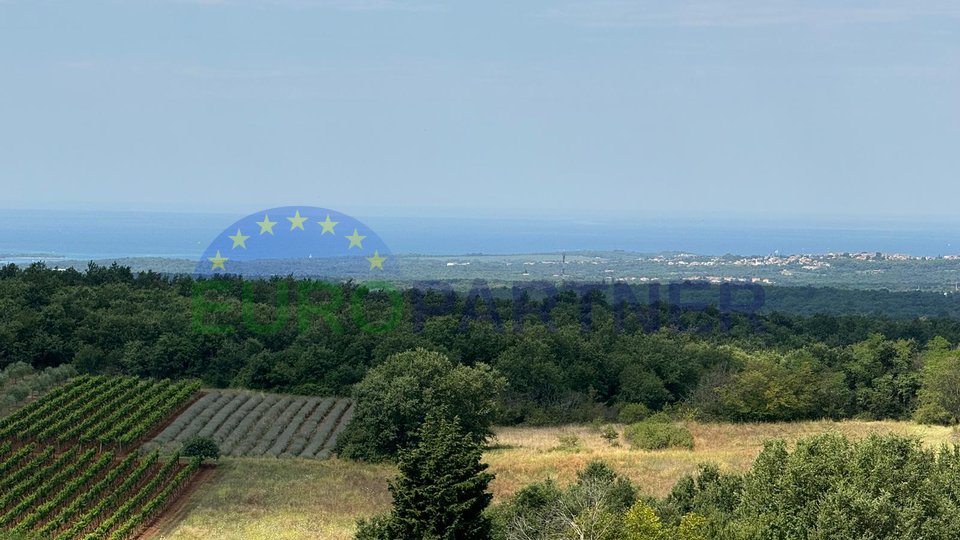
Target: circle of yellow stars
(297, 222)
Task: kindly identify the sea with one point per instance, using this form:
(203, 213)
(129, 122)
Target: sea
(51, 235)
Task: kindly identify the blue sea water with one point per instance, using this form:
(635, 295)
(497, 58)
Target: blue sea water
(51, 235)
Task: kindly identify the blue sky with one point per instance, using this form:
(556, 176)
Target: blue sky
(605, 108)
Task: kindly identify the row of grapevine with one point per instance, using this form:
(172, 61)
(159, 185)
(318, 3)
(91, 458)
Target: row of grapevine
(77, 415)
(253, 424)
(131, 504)
(31, 474)
(97, 513)
(87, 494)
(44, 484)
(59, 399)
(155, 504)
(54, 485)
(104, 410)
(69, 489)
(28, 468)
(73, 510)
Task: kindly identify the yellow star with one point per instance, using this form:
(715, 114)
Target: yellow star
(218, 262)
(328, 226)
(239, 240)
(376, 261)
(355, 240)
(296, 222)
(266, 226)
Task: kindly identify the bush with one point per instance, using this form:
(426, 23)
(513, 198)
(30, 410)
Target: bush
(568, 443)
(592, 507)
(932, 413)
(883, 487)
(202, 447)
(632, 413)
(654, 434)
(611, 435)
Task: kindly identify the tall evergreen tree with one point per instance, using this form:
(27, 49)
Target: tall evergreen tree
(441, 491)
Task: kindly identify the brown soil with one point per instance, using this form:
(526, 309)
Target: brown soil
(178, 508)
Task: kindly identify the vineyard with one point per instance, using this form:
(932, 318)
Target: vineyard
(251, 424)
(69, 467)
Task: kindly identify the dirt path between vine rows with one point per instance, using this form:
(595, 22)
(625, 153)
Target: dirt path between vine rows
(167, 521)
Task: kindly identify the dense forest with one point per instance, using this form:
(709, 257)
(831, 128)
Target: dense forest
(565, 357)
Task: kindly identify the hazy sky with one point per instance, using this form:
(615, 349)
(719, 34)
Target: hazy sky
(592, 107)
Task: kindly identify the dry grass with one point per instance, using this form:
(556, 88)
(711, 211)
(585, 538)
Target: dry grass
(255, 499)
(530, 454)
(284, 499)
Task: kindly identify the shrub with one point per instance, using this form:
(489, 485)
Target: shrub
(632, 413)
(568, 443)
(611, 435)
(882, 487)
(932, 413)
(202, 447)
(653, 434)
(592, 507)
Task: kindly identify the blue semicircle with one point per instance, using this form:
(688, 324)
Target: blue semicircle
(291, 240)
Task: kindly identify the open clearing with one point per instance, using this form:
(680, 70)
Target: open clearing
(254, 499)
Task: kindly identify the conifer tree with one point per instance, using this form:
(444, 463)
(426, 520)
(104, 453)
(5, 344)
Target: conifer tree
(441, 491)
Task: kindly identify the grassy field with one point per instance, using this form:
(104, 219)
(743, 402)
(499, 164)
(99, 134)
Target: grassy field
(256, 499)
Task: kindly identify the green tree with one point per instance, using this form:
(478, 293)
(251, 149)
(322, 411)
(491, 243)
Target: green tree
(939, 398)
(393, 398)
(201, 447)
(441, 491)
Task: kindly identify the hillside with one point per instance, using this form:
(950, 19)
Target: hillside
(70, 463)
(297, 499)
(256, 424)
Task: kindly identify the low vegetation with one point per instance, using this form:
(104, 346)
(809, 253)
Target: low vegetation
(827, 486)
(657, 434)
(257, 424)
(252, 499)
(20, 382)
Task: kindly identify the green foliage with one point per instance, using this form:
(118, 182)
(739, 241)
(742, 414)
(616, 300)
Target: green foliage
(882, 487)
(600, 505)
(568, 443)
(642, 523)
(654, 434)
(611, 435)
(772, 387)
(201, 447)
(633, 412)
(441, 491)
(939, 395)
(395, 396)
(591, 508)
(816, 356)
